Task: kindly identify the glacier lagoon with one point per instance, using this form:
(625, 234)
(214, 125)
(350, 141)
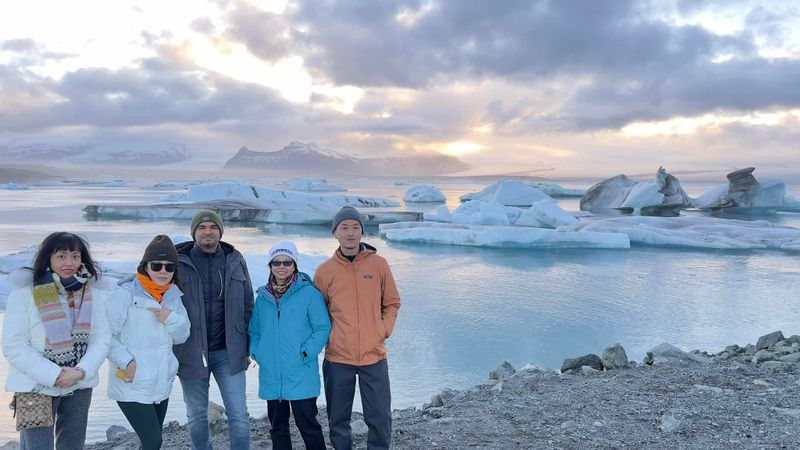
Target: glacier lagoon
(467, 309)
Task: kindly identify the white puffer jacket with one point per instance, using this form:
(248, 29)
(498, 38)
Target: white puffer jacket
(24, 336)
(138, 335)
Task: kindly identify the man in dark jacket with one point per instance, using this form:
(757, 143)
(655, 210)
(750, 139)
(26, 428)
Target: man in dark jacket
(218, 297)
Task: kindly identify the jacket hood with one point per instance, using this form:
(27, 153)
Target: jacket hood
(23, 278)
(184, 248)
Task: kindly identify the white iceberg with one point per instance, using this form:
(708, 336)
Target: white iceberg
(170, 184)
(236, 191)
(403, 183)
(498, 236)
(424, 193)
(663, 196)
(14, 187)
(313, 185)
(555, 190)
(745, 194)
(508, 193)
(696, 232)
(544, 213)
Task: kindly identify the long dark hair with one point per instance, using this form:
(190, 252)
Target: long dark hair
(142, 269)
(63, 241)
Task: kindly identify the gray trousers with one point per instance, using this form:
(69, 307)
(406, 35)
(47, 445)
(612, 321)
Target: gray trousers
(71, 415)
(376, 397)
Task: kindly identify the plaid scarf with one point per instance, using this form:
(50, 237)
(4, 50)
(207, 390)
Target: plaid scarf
(62, 345)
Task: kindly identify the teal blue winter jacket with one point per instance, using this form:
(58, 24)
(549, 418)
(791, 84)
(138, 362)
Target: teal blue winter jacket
(285, 340)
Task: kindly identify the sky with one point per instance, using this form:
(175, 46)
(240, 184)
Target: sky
(561, 87)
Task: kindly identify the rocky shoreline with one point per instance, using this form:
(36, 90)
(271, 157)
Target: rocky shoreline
(739, 397)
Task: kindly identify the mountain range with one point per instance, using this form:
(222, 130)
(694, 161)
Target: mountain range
(301, 157)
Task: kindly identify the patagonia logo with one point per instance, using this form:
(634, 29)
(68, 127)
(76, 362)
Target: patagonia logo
(282, 250)
(367, 277)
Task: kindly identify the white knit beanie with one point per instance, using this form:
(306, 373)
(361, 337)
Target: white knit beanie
(284, 248)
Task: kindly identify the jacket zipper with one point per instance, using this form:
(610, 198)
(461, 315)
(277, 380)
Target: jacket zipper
(280, 374)
(358, 314)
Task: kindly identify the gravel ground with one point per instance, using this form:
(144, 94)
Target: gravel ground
(738, 398)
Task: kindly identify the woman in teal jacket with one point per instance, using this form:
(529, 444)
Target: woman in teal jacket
(289, 328)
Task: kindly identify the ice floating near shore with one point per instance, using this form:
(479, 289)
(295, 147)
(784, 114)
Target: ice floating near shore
(663, 196)
(696, 232)
(555, 190)
(544, 213)
(424, 193)
(507, 193)
(745, 194)
(499, 236)
(238, 192)
(313, 185)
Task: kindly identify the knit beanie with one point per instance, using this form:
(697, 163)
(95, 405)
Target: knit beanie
(207, 215)
(160, 249)
(347, 213)
(286, 248)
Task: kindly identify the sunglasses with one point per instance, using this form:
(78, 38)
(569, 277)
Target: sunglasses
(276, 263)
(156, 267)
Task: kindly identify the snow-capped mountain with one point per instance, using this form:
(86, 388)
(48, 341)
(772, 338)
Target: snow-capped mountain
(298, 156)
(82, 154)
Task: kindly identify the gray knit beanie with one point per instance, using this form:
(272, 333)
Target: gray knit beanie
(160, 248)
(347, 213)
(207, 215)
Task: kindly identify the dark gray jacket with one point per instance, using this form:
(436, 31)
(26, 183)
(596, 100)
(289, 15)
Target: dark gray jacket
(193, 354)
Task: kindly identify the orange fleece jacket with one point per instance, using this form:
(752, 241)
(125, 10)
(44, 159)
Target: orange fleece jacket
(362, 301)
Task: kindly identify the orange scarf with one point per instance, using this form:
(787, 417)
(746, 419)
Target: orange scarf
(151, 287)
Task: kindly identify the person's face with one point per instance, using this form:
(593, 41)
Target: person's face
(65, 263)
(279, 269)
(349, 233)
(207, 236)
(161, 277)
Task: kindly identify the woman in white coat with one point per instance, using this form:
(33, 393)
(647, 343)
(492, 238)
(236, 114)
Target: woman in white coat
(55, 337)
(147, 318)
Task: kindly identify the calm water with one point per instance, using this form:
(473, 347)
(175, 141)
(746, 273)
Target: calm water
(467, 309)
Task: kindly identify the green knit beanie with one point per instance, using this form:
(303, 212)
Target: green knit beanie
(207, 215)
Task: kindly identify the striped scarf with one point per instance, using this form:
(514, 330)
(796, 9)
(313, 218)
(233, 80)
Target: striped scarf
(62, 345)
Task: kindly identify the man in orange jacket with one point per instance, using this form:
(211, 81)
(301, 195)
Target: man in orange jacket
(363, 301)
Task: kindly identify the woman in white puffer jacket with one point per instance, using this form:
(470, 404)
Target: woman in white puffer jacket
(147, 318)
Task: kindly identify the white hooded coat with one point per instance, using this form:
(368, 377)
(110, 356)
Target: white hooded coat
(138, 335)
(24, 338)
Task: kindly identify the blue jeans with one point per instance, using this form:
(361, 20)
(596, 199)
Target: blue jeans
(232, 388)
(71, 415)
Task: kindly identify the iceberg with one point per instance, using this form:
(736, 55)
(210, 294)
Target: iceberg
(314, 185)
(663, 196)
(499, 236)
(424, 193)
(544, 213)
(745, 194)
(238, 192)
(696, 232)
(555, 190)
(508, 193)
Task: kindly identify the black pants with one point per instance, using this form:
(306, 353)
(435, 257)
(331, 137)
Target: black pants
(376, 398)
(147, 419)
(305, 417)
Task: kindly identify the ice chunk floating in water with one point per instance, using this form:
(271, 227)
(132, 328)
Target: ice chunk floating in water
(496, 236)
(424, 193)
(697, 232)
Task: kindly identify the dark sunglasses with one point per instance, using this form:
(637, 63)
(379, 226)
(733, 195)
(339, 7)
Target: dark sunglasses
(156, 267)
(276, 263)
